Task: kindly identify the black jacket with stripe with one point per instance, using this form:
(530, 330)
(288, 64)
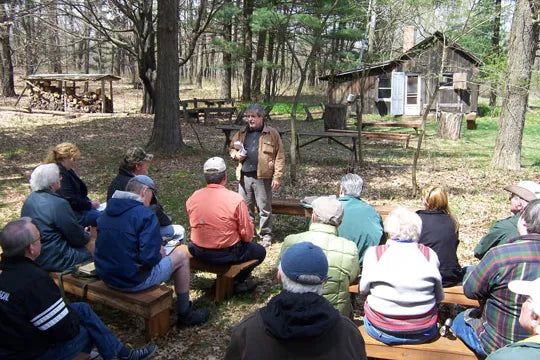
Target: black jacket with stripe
(33, 315)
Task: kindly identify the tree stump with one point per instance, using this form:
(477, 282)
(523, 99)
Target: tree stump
(335, 116)
(449, 125)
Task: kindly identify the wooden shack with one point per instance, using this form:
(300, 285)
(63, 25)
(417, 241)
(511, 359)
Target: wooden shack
(401, 86)
(60, 92)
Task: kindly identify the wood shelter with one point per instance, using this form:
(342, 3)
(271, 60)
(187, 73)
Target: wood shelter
(67, 88)
(401, 86)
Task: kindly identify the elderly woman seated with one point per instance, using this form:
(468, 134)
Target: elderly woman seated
(64, 242)
(403, 282)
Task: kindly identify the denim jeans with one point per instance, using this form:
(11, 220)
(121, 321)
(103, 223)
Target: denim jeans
(466, 333)
(88, 217)
(400, 339)
(258, 192)
(92, 331)
(238, 253)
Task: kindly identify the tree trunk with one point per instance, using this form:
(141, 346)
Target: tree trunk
(269, 69)
(54, 54)
(335, 116)
(449, 125)
(226, 73)
(28, 24)
(8, 84)
(200, 65)
(248, 49)
(166, 133)
(495, 39)
(259, 57)
(146, 58)
(522, 46)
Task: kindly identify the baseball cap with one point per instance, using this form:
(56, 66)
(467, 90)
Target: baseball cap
(136, 154)
(145, 180)
(527, 288)
(527, 190)
(214, 165)
(305, 263)
(328, 210)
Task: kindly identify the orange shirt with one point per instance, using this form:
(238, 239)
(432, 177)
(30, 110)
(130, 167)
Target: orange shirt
(218, 217)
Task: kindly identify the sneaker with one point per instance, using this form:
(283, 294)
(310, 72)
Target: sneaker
(266, 240)
(193, 317)
(145, 352)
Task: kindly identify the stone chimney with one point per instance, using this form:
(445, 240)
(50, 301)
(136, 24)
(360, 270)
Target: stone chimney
(408, 37)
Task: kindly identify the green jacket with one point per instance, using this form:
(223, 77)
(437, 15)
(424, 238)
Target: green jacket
(342, 256)
(361, 224)
(499, 234)
(524, 349)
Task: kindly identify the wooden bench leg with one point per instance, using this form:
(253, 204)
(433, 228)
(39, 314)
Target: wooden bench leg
(224, 287)
(157, 325)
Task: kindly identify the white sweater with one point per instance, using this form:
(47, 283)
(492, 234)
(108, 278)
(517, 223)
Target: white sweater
(402, 282)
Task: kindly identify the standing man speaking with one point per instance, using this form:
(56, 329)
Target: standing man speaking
(259, 150)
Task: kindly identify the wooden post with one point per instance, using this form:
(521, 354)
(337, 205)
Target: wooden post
(63, 96)
(112, 99)
(449, 125)
(103, 96)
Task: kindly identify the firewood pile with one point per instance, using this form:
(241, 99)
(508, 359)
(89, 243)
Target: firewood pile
(45, 96)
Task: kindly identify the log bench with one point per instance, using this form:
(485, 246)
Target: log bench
(225, 274)
(452, 295)
(442, 348)
(153, 304)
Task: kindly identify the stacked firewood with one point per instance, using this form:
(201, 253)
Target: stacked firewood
(45, 96)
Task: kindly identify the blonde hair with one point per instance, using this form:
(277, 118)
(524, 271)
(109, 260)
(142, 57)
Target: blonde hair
(436, 198)
(62, 151)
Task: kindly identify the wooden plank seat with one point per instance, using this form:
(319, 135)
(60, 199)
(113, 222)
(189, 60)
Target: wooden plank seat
(378, 135)
(225, 273)
(153, 304)
(411, 125)
(442, 348)
(452, 295)
(218, 113)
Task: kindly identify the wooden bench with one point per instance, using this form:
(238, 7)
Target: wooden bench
(218, 113)
(153, 304)
(378, 135)
(442, 348)
(225, 274)
(411, 125)
(452, 295)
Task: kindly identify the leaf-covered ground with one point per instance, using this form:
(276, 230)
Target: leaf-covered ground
(476, 191)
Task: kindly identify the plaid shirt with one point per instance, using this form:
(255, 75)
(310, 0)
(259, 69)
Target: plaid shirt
(499, 324)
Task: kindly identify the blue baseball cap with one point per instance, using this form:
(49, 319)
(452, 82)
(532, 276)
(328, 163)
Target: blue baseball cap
(305, 263)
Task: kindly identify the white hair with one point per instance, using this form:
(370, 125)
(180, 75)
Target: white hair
(298, 288)
(352, 185)
(44, 176)
(403, 224)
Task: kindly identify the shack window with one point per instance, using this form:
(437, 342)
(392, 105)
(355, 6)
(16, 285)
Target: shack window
(447, 80)
(385, 87)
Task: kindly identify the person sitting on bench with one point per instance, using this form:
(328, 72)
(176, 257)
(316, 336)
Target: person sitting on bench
(64, 241)
(221, 228)
(496, 324)
(403, 282)
(129, 253)
(36, 322)
(342, 253)
(529, 319)
(298, 323)
(136, 162)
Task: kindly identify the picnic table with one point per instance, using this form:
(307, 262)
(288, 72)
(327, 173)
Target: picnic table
(228, 128)
(212, 109)
(331, 136)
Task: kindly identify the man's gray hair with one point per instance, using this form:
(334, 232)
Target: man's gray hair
(258, 109)
(16, 236)
(214, 178)
(403, 224)
(134, 187)
(44, 176)
(298, 288)
(352, 185)
(531, 216)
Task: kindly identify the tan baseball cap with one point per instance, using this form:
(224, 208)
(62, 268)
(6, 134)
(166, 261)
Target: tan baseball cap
(527, 190)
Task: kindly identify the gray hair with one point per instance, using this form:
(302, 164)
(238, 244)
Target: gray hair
(44, 176)
(352, 185)
(403, 224)
(215, 177)
(134, 187)
(531, 216)
(298, 288)
(16, 236)
(258, 109)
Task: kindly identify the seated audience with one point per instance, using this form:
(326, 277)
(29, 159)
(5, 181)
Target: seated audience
(221, 228)
(298, 323)
(403, 282)
(440, 232)
(529, 319)
(72, 188)
(64, 242)
(136, 162)
(36, 322)
(361, 223)
(496, 325)
(506, 229)
(129, 255)
(342, 253)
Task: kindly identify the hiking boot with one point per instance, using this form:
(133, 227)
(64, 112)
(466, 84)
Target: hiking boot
(244, 287)
(266, 240)
(145, 352)
(193, 317)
